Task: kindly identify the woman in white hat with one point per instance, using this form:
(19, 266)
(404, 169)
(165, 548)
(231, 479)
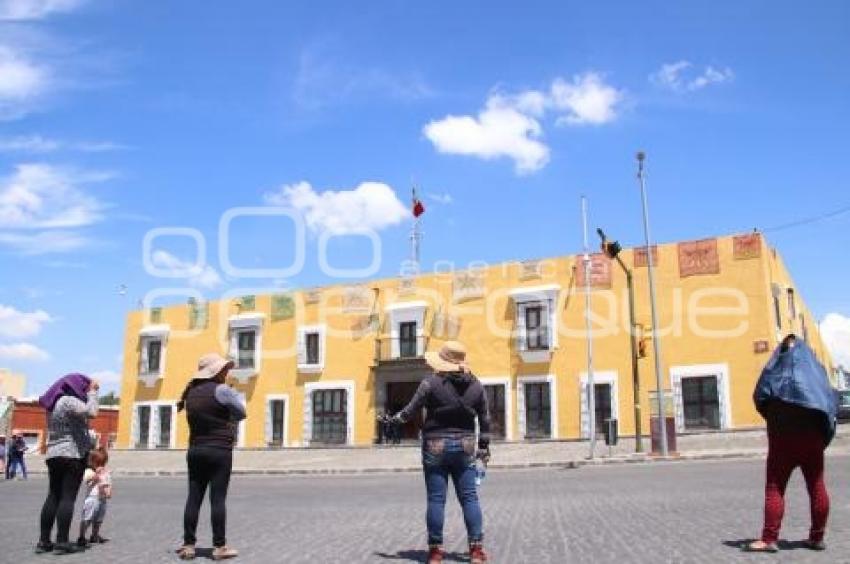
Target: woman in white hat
(213, 409)
(453, 398)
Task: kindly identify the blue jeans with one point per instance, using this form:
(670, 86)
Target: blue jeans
(442, 458)
(17, 463)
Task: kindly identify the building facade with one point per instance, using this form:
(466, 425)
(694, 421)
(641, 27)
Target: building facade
(30, 419)
(317, 366)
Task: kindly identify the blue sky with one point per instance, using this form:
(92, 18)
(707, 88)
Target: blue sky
(121, 117)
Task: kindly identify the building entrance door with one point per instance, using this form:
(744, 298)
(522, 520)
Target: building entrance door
(399, 395)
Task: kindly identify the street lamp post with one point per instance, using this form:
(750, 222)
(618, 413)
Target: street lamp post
(662, 416)
(612, 249)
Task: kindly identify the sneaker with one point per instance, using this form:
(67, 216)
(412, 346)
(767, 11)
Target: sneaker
(82, 542)
(224, 552)
(43, 547)
(98, 539)
(65, 548)
(760, 546)
(186, 552)
(477, 554)
(435, 554)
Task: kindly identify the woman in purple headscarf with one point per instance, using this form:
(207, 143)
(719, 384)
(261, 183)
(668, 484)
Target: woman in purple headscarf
(70, 402)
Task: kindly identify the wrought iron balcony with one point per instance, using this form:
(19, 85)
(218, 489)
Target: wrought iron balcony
(400, 349)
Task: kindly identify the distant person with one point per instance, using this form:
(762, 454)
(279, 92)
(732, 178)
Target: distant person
(453, 398)
(98, 480)
(796, 399)
(17, 450)
(70, 402)
(213, 410)
(3, 455)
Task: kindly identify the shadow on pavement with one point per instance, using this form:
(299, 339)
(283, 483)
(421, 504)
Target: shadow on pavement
(421, 556)
(782, 544)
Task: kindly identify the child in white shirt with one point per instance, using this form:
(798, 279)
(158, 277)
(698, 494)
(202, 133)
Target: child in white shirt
(98, 480)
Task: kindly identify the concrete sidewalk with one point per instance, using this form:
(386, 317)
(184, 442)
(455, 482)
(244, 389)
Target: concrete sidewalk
(406, 458)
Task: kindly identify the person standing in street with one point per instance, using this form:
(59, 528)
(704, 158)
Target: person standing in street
(70, 402)
(16, 456)
(213, 410)
(3, 455)
(796, 399)
(453, 399)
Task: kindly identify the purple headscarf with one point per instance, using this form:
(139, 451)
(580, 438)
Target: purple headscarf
(76, 385)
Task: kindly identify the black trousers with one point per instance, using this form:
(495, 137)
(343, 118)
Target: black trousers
(208, 467)
(65, 476)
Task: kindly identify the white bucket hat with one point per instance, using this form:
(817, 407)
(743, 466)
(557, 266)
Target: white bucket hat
(210, 365)
(450, 358)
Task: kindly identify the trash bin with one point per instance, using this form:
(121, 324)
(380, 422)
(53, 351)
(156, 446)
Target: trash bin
(611, 432)
(669, 420)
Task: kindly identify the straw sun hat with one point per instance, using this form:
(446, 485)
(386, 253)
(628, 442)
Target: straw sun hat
(450, 358)
(210, 365)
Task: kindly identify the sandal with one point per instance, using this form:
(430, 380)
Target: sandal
(760, 546)
(186, 552)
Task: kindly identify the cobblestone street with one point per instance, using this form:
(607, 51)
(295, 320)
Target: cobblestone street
(663, 512)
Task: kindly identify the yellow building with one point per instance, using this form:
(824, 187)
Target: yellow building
(317, 366)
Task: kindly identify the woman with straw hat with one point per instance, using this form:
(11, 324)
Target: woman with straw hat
(213, 409)
(453, 398)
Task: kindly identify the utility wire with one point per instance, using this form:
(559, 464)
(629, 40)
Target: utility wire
(808, 220)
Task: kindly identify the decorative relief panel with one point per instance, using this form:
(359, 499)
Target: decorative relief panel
(530, 269)
(600, 271)
(356, 299)
(698, 258)
(468, 285)
(640, 256)
(746, 246)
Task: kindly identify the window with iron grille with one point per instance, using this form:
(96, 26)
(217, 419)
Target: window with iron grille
(277, 420)
(407, 339)
(246, 348)
(496, 406)
(330, 416)
(165, 412)
(154, 347)
(311, 342)
(701, 402)
(602, 406)
(536, 334)
(144, 426)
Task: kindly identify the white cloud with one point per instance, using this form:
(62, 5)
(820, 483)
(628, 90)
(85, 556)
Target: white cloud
(501, 129)
(444, 198)
(21, 82)
(682, 76)
(510, 125)
(835, 331)
(324, 79)
(20, 324)
(371, 206)
(586, 100)
(22, 351)
(40, 196)
(202, 277)
(106, 376)
(45, 242)
(40, 144)
(35, 9)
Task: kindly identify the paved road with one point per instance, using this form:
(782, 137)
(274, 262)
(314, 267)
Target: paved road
(677, 512)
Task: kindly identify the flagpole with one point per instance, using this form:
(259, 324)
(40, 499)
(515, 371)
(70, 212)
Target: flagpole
(591, 388)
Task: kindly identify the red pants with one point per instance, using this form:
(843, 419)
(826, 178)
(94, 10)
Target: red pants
(785, 453)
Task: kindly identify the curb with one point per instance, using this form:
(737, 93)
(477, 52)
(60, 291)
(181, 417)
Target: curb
(557, 464)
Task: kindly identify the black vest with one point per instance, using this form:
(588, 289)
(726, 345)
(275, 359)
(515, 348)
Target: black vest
(209, 421)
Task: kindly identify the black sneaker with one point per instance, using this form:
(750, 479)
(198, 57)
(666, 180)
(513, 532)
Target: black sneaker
(65, 548)
(82, 543)
(43, 547)
(815, 545)
(98, 539)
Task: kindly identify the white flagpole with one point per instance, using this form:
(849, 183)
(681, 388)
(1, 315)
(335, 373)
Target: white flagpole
(591, 388)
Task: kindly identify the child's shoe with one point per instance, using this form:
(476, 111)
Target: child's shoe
(435, 554)
(476, 553)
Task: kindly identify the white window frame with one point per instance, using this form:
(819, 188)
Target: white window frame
(303, 331)
(509, 401)
(610, 377)
(403, 312)
(547, 296)
(153, 433)
(721, 372)
(268, 431)
(147, 334)
(310, 387)
(553, 402)
(236, 324)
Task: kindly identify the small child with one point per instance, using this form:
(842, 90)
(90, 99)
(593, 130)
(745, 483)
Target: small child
(99, 481)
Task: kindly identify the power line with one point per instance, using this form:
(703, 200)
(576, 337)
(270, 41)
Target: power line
(808, 220)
